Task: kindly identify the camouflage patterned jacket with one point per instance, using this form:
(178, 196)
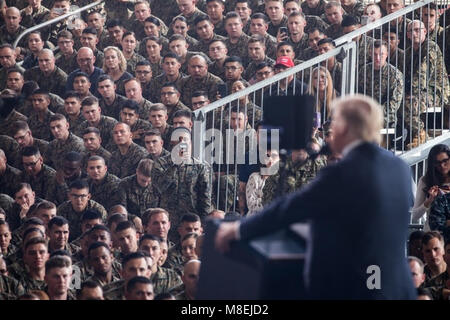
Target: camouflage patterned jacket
(102, 193)
(440, 215)
(164, 280)
(57, 149)
(124, 165)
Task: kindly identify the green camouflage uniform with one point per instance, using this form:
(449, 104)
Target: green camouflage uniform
(12, 150)
(164, 153)
(425, 83)
(54, 83)
(6, 37)
(140, 124)
(86, 270)
(6, 124)
(113, 110)
(203, 46)
(9, 180)
(67, 64)
(156, 67)
(124, 165)
(300, 46)
(138, 28)
(334, 32)
(356, 10)
(101, 282)
(250, 71)
(29, 283)
(10, 286)
(4, 75)
(219, 28)
(133, 61)
(336, 75)
(175, 259)
(313, 21)
(57, 149)
(166, 10)
(215, 69)
(44, 184)
(189, 55)
(291, 178)
(190, 21)
(271, 46)
(164, 280)
(35, 18)
(183, 188)
(171, 110)
(397, 59)
(66, 210)
(40, 129)
(105, 126)
(102, 192)
(190, 85)
(317, 11)
(144, 109)
(240, 48)
(114, 290)
(136, 198)
(156, 84)
(273, 29)
(119, 10)
(385, 86)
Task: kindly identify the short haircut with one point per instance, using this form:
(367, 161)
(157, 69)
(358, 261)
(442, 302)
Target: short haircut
(96, 245)
(152, 38)
(257, 38)
(96, 158)
(262, 65)
(190, 217)
(133, 282)
(143, 63)
(152, 132)
(183, 113)
(16, 70)
(115, 218)
(4, 223)
(177, 36)
(57, 262)
(33, 221)
(201, 18)
(81, 74)
(149, 237)
(231, 15)
(65, 34)
(104, 77)
(419, 262)
(32, 229)
(89, 101)
(91, 214)
(124, 225)
(42, 92)
(379, 43)
(35, 240)
(58, 221)
(57, 117)
(72, 94)
(90, 30)
(128, 33)
(199, 93)
(147, 215)
(431, 235)
(30, 151)
(332, 4)
(114, 23)
(326, 40)
(349, 20)
(132, 105)
(22, 185)
(284, 43)
(171, 55)
(91, 130)
(73, 156)
(79, 184)
(233, 59)
(132, 256)
(260, 15)
(19, 125)
(158, 107)
(90, 284)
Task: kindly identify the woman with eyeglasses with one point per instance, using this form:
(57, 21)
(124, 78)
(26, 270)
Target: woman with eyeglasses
(435, 182)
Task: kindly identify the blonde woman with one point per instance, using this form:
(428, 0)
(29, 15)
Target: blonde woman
(321, 88)
(115, 65)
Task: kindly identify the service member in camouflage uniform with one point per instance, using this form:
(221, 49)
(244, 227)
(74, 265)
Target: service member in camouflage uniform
(10, 287)
(383, 82)
(64, 141)
(275, 11)
(110, 102)
(237, 40)
(296, 172)
(191, 272)
(334, 14)
(183, 186)
(67, 60)
(425, 84)
(137, 192)
(102, 185)
(256, 54)
(35, 255)
(79, 201)
(92, 144)
(47, 74)
(130, 116)
(39, 120)
(199, 79)
(133, 91)
(125, 158)
(92, 113)
(438, 285)
(101, 259)
(205, 31)
(9, 176)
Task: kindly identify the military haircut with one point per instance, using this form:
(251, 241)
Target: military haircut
(33, 241)
(132, 105)
(30, 151)
(171, 55)
(143, 63)
(256, 38)
(190, 217)
(115, 218)
(96, 245)
(177, 36)
(152, 132)
(233, 59)
(58, 220)
(89, 101)
(91, 130)
(149, 237)
(57, 262)
(158, 107)
(73, 156)
(104, 77)
(64, 34)
(72, 94)
(16, 70)
(124, 225)
(332, 4)
(133, 256)
(91, 214)
(89, 284)
(57, 117)
(90, 30)
(170, 85)
(145, 167)
(128, 33)
(41, 92)
(183, 114)
(260, 15)
(232, 15)
(285, 43)
(326, 40)
(202, 18)
(79, 184)
(133, 282)
(96, 158)
(22, 185)
(114, 23)
(32, 229)
(349, 20)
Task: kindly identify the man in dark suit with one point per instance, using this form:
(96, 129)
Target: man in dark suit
(358, 209)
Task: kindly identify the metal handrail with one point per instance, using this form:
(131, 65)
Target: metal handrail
(377, 23)
(49, 22)
(273, 79)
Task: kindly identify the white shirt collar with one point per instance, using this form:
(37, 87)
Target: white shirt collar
(351, 146)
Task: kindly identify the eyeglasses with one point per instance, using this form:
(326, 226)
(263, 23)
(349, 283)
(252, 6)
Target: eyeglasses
(30, 164)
